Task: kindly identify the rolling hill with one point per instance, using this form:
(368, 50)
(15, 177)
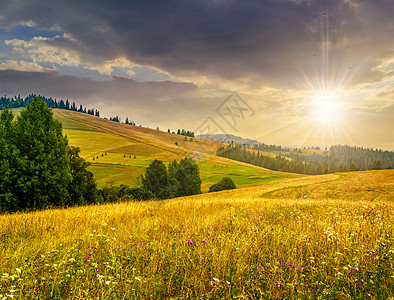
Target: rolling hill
(228, 138)
(119, 153)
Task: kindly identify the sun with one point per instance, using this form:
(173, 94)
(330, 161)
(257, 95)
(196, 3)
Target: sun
(326, 108)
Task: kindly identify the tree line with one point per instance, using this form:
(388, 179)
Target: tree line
(278, 163)
(18, 101)
(338, 159)
(351, 158)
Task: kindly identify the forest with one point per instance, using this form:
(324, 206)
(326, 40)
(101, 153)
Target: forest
(338, 159)
(18, 101)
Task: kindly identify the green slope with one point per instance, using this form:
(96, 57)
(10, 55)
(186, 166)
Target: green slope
(119, 153)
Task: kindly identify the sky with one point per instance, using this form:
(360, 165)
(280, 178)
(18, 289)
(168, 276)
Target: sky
(284, 72)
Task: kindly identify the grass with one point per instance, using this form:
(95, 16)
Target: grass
(120, 142)
(263, 241)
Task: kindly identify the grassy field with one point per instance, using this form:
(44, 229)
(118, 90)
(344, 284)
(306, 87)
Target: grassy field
(119, 153)
(315, 237)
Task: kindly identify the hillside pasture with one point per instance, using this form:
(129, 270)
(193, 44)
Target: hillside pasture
(121, 143)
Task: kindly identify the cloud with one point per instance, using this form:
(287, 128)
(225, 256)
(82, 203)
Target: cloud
(120, 90)
(260, 40)
(49, 50)
(22, 66)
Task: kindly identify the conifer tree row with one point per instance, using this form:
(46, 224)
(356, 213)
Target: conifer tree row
(18, 101)
(337, 159)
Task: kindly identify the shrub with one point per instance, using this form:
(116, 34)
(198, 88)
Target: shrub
(225, 184)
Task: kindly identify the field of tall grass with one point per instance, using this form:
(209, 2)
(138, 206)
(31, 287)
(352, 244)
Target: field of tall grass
(247, 243)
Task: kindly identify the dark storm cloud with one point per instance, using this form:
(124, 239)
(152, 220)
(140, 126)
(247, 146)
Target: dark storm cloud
(121, 90)
(267, 41)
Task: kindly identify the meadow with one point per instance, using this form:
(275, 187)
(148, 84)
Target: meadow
(311, 237)
(120, 153)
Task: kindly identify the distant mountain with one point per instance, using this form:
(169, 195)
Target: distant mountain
(227, 138)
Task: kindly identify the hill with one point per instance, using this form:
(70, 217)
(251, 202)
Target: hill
(119, 153)
(328, 235)
(228, 138)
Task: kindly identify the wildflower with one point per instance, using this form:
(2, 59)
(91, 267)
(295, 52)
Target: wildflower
(190, 242)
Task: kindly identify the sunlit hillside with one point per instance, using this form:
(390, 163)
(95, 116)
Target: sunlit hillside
(119, 153)
(316, 237)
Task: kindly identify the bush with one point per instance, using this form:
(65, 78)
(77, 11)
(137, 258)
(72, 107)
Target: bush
(225, 184)
(113, 194)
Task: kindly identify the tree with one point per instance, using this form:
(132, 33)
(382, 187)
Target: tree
(187, 176)
(82, 189)
(353, 168)
(37, 168)
(43, 173)
(156, 180)
(377, 165)
(8, 162)
(225, 184)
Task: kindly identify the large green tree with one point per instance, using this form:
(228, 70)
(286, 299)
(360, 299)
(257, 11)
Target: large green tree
(187, 175)
(157, 181)
(37, 167)
(44, 172)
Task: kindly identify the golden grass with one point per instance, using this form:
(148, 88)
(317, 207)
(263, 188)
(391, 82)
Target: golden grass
(248, 243)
